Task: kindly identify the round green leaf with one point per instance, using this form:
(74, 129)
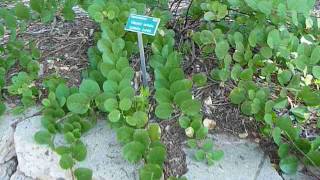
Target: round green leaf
(125, 104)
(78, 103)
(110, 104)
(118, 45)
(141, 118)
(68, 12)
(266, 52)
(22, 11)
(313, 156)
(216, 155)
(206, 37)
(202, 133)
(200, 155)
(184, 121)
(105, 68)
(127, 73)
(315, 56)
(222, 49)
(191, 107)
(163, 95)
(125, 134)
(283, 150)
(150, 171)
(79, 151)
(316, 72)
(182, 96)
(237, 95)
(156, 155)
(90, 88)
(274, 39)
(289, 165)
(114, 115)
(180, 85)
(43, 137)
(69, 137)
(122, 63)
(284, 77)
(110, 86)
(192, 143)
(115, 76)
(164, 110)
(36, 5)
(133, 151)
(199, 79)
(268, 118)
(83, 174)
(154, 131)
(131, 120)
(265, 7)
(176, 75)
(236, 71)
(209, 16)
(100, 100)
(66, 161)
(276, 134)
(207, 145)
(127, 92)
(246, 74)
(246, 108)
(142, 136)
(62, 150)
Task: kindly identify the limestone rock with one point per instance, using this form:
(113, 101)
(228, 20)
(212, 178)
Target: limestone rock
(104, 154)
(7, 169)
(6, 139)
(298, 176)
(7, 123)
(20, 176)
(243, 160)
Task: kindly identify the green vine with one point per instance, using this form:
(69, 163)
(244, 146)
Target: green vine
(271, 50)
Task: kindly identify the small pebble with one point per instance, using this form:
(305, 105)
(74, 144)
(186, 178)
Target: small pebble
(209, 123)
(243, 135)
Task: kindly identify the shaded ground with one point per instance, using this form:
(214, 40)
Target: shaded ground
(173, 137)
(64, 46)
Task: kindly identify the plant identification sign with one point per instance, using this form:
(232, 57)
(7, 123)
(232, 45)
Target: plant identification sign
(142, 24)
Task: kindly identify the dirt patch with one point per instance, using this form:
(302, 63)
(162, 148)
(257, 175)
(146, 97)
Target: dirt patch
(173, 137)
(64, 46)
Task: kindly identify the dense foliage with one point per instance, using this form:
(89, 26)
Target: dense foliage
(269, 49)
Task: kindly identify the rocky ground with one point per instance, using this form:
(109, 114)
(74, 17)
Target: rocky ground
(22, 159)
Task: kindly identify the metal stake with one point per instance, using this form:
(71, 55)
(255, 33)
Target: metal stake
(143, 61)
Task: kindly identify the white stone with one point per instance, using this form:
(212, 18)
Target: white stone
(6, 139)
(267, 170)
(209, 123)
(104, 154)
(208, 101)
(19, 176)
(7, 169)
(243, 160)
(7, 122)
(298, 176)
